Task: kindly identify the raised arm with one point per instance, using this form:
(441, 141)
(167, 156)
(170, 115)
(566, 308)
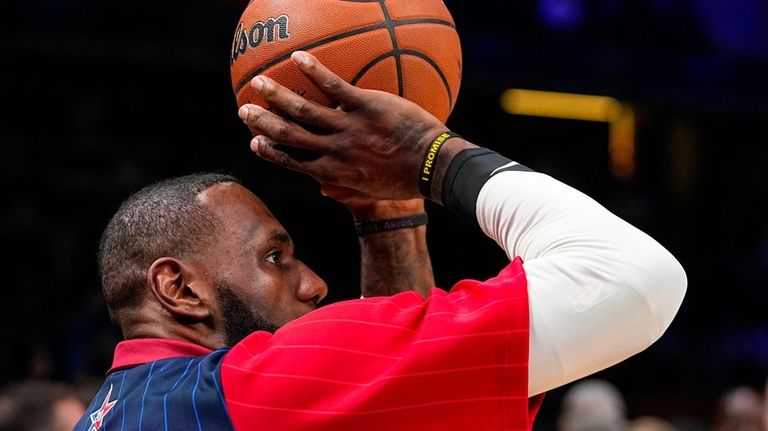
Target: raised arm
(599, 289)
(391, 260)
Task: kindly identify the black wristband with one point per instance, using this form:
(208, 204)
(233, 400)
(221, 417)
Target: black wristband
(375, 226)
(428, 164)
(467, 174)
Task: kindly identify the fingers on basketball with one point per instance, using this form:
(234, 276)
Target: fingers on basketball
(405, 47)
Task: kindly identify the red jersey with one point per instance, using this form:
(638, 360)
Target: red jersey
(457, 361)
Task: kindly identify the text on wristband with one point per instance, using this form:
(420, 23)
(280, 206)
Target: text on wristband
(432, 154)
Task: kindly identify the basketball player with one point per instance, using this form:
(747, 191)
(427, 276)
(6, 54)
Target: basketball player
(221, 321)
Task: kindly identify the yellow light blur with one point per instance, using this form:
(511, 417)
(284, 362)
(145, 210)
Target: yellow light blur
(619, 116)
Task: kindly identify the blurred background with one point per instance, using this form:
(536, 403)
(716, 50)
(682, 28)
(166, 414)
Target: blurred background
(102, 98)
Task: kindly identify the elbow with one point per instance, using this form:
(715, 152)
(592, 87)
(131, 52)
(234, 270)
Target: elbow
(658, 285)
(666, 290)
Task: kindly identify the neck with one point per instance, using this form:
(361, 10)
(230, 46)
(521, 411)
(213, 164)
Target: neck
(180, 332)
(153, 324)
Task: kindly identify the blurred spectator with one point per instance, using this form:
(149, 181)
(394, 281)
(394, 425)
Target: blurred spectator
(651, 423)
(40, 406)
(739, 409)
(765, 407)
(593, 405)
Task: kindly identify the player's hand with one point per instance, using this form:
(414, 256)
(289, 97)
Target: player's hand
(371, 146)
(365, 208)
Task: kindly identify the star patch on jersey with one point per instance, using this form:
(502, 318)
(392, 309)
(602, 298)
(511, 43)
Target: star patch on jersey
(97, 417)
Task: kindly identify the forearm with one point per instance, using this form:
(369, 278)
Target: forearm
(395, 261)
(600, 290)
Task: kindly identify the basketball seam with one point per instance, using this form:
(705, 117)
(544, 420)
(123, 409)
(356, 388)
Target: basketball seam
(368, 67)
(418, 54)
(395, 47)
(437, 68)
(401, 22)
(355, 32)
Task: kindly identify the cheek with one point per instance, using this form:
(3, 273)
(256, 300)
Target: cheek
(281, 298)
(285, 306)
(268, 291)
(271, 294)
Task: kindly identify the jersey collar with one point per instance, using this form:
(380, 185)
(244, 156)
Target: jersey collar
(139, 351)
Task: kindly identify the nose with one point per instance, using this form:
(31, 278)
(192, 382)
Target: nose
(312, 288)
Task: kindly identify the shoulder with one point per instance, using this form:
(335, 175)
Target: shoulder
(399, 319)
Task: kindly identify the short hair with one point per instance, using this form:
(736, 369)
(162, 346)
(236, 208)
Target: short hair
(162, 219)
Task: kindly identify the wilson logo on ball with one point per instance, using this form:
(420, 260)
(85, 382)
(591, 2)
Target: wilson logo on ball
(405, 47)
(257, 34)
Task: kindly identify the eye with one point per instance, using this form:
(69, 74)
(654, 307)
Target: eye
(274, 257)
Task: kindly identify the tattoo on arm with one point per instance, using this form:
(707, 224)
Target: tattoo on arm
(395, 261)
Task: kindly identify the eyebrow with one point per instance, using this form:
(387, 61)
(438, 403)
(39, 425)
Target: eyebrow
(280, 236)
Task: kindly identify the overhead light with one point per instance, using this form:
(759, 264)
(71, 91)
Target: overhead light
(619, 116)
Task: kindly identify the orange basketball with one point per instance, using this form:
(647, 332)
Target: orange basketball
(406, 47)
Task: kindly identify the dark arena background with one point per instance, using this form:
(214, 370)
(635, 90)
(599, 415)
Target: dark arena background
(101, 98)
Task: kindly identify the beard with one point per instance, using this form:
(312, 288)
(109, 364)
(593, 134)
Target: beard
(240, 321)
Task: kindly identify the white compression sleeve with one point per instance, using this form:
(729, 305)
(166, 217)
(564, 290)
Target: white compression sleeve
(600, 290)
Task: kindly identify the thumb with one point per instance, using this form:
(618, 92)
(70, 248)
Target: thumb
(338, 192)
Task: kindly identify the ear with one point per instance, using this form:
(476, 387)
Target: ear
(178, 289)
